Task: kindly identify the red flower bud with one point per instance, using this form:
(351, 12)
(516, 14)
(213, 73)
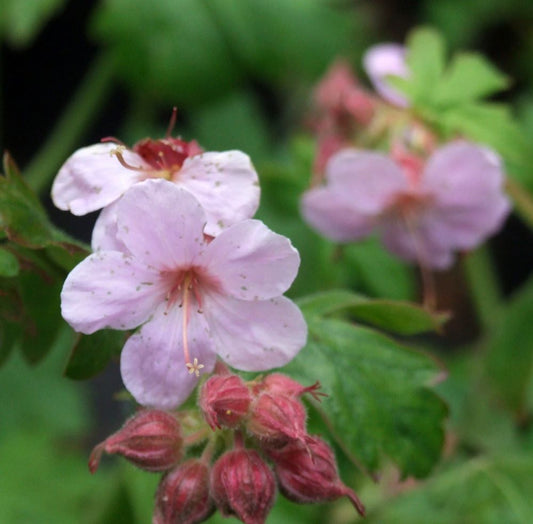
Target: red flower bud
(243, 485)
(277, 419)
(277, 383)
(183, 495)
(225, 401)
(151, 440)
(308, 473)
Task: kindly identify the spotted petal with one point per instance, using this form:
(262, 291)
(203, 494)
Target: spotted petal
(255, 336)
(225, 184)
(92, 178)
(110, 290)
(152, 362)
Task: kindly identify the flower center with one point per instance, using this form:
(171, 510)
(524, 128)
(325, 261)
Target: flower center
(184, 291)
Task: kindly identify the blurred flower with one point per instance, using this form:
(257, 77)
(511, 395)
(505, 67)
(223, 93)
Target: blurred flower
(381, 61)
(194, 297)
(94, 177)
(424, 210)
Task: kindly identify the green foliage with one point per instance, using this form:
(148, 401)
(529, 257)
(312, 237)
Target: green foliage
(509, 364)
(380, 404)
(20, 22)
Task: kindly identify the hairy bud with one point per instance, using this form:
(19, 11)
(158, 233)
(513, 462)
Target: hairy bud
(277, 383)
(225, 401)
(308, 473)
(277, 419)
(243, 485)
(151, 440)
(183, 495)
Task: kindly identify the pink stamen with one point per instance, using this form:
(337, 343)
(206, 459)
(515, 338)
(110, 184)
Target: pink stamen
(172, 122)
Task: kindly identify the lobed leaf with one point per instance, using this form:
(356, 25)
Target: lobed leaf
(379, 404)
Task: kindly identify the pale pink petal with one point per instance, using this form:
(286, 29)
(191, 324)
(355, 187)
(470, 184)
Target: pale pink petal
(415, 244)
(333, 215)
(250, 262)
(381, 61)
(104, 237)
(368, 180)
(161, 224)
(92, 178)
(152, 362)
(255, 336)
(225, 184)
(467, 183)
(110, 290)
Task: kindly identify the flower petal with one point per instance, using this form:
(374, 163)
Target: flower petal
(368, 180)
(255, 336)
(330, 213)
(92, 178)
(251, 262)
(152, 361)
(110, 290)
(161, 224)
(104, 237)
(383, 60)
(467, 183)
(225, 184)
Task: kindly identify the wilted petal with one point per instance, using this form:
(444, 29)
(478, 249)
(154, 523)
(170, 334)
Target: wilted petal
(104, 237)
(251, 262)
(161, 224)
(225, 184)
(255, 336)
(92, 178)
(152, 362)
(110, 290)
(381, 61)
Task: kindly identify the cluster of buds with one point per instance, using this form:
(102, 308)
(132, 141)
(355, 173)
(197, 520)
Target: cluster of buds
(255, 441)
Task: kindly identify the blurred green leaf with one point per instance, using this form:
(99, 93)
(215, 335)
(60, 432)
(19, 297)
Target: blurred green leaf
(402, 318)
(379, 404)
(91, 353)
(482, 490)
(509, 363)
(20, 22)
(468, 77)
(9, 265)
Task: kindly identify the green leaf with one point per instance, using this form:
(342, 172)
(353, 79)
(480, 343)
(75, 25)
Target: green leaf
(402, 318)
(425, 58)
(9, 264)
(91, 353)
(482, 490)
(469, 76)
(379, 404)
(509, 363)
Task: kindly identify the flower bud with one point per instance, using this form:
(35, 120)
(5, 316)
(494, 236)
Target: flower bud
(225, 401)
(243, 485)
(183, 495)
(308, 473)
(277, 419)
(151, 440)
(277, 383)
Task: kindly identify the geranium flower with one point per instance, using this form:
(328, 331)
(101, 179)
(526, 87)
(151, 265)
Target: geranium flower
(381, 61)
(194, 297)
(225, 183)
(424, 212)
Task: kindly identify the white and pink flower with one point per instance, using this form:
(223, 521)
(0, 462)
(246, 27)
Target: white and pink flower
(195, 297)
(424, 211)
(95, 177)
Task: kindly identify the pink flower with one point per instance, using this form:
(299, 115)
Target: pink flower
(194, 298)
(424, 212)
(94, 177)
(383, 60)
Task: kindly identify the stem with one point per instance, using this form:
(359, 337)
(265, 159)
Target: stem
(483, 286)
(78, 115)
